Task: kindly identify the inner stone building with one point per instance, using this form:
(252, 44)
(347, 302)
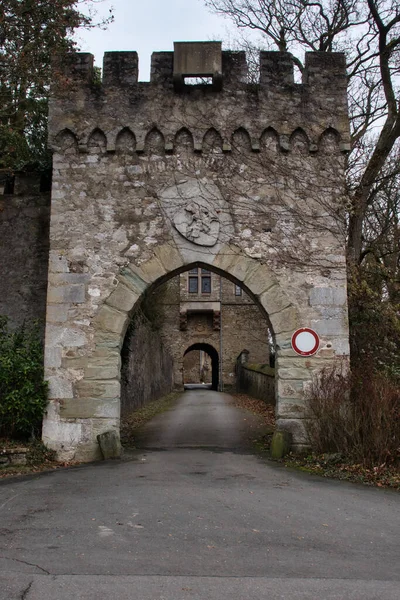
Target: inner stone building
(204, 322)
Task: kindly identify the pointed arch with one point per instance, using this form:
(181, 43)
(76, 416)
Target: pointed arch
(329, 140)
(154, 142)
(67, 142)
(269, 141)
(241, 141)
(97, 142)
(183, 141)
(126, 141)
(212, 141)
(299, 142)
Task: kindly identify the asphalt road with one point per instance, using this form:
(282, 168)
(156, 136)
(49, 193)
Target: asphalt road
(194, 515)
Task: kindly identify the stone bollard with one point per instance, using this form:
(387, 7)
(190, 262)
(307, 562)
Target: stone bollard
(281, 444)
(110, 444)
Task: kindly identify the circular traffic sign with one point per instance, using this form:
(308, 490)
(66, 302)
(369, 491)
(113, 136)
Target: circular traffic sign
(305, 341)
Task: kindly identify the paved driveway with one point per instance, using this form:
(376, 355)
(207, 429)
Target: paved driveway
(194, 515)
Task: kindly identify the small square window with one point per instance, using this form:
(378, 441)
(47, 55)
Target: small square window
(206, 284)
(238, 290)
(193, 285)
(194, 271)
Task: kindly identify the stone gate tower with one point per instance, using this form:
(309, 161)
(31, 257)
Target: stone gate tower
(195, 168)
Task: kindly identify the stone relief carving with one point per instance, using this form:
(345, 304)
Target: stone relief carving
(198, 224)
(196, 210)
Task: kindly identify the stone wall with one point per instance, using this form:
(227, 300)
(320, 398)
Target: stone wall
(243, 324)
(257, 380)
(24, 251)
(147, 367)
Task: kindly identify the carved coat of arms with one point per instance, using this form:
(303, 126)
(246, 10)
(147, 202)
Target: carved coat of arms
(195, 209)
(198, 224)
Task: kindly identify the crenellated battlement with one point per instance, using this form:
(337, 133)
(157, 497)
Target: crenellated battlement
(223, 101)
(322, 71)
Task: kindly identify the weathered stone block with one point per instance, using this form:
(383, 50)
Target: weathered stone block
(297, 428)
(86, 388)
(69, 278)
(169, 257)
(329, 327)
(57, 263)
(60, 388)
(324, 296)
(295, 372)
(74, 362)
(290, 388)
(259, 280)
(286, 320)
(280, 444)
(226, 256)
(52, 357)
(122, 298)
(287, 409)
(241, 267)
(88, 408)
(66, 294)
(107, 339)
(133, 280)
(101, 370)
(57, 313)
(64, 336)
(110, 319)
(150, 271)
(274, 300)
(110, 444)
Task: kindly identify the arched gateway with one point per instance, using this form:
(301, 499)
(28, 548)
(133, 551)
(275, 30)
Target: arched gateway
(212, 354)
(150, 178)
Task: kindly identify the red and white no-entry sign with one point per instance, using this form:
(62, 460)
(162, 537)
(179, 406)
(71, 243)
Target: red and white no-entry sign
(305, 341)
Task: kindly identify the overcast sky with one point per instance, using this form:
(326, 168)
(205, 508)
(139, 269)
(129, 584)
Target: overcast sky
(149, 25)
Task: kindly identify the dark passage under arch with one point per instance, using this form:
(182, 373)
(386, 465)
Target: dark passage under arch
(213, 354)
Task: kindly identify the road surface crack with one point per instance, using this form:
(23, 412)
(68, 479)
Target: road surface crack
(24, 562)
(26, 591)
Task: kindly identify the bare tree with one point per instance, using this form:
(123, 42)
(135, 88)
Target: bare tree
(368, 31)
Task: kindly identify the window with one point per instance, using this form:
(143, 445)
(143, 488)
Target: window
(238, 290)
(193, 285)
(205, 281)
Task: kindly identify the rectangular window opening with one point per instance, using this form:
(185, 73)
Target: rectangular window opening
(198, 80)
(206, 284)
(238, 290)
(193, 285)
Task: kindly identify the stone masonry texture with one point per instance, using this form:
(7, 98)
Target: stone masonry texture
(150, 179)
(24, 250)
(147, 366)
(243, 325)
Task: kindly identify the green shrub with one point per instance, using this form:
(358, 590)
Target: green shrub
(23, 393)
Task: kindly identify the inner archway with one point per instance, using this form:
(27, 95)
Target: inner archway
(203, 366)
